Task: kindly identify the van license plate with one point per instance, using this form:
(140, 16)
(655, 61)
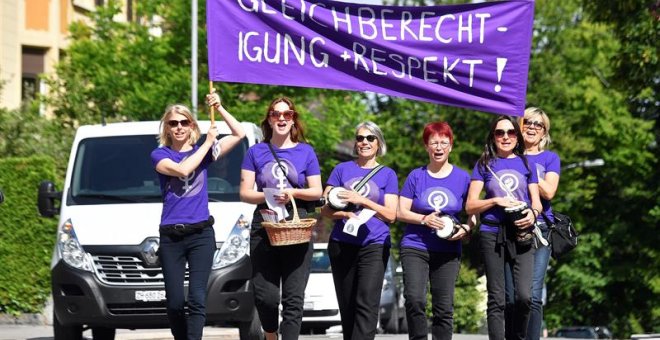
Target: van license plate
(149, 295)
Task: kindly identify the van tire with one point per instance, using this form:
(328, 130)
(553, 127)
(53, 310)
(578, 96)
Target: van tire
(251, 330)
(61, 332)
(103, 333)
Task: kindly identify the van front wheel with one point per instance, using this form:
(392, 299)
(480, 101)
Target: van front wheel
(61, 332)
(251, 330)
(103, 333)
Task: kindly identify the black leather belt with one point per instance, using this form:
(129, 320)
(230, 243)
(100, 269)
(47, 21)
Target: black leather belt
(181, 229)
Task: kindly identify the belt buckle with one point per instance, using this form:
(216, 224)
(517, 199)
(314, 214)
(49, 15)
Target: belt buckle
(179, 226)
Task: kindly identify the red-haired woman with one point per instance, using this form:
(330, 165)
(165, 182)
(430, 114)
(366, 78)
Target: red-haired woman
(430, 202)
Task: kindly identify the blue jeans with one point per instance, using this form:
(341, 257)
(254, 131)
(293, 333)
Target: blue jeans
(541, 259)
(441, 270)
(197, 250)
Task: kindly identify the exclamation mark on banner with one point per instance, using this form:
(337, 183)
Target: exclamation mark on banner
(501, 63)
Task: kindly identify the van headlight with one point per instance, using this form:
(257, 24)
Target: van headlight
(235, 247)
(70, 250)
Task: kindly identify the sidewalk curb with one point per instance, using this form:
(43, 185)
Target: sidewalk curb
(24, 319)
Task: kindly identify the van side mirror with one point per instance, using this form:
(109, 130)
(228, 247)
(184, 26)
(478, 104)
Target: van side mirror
(46, 199)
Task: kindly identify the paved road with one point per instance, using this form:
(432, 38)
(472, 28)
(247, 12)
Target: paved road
(27, 332)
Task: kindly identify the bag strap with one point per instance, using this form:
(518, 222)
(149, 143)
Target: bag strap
(506, 188)
(277, 159)
(547, 220)
(366, 178)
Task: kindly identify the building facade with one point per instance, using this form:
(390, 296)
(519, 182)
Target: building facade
(33, 37)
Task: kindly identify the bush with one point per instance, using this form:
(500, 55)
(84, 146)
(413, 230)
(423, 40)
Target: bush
(468, 300)
(26, 239)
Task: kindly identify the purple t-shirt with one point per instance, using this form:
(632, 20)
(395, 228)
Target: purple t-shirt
(348, 175)
(513, 173)
(185, 199)
(429, 194)
(546, 161)
(298, 162)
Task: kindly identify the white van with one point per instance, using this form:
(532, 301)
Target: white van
(105, 270)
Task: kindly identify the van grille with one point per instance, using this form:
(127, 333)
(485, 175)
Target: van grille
(127, 270)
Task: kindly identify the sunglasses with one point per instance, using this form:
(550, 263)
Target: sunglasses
(533, 124)
(361, 138)
(499, 133)
(175, 123)
(288, 114)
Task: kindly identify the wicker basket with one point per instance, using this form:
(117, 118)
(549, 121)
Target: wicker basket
(286, 233)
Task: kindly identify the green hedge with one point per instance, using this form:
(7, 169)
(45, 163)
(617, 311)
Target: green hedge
(26, 239)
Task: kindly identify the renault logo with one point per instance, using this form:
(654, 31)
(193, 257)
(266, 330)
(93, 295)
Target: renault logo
(149, 252)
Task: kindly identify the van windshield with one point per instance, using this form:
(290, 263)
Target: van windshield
(118, 169)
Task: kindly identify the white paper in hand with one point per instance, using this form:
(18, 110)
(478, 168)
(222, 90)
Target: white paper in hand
(279, 208)
(353, 224)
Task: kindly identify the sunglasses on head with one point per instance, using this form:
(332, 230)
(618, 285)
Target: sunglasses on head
(288, 114)
(499, 133)
(361, 138)
(175, 123)
(533, 124)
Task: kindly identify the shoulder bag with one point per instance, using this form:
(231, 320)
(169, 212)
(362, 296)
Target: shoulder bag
(562, 235)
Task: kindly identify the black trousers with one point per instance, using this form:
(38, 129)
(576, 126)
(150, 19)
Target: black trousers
(358, 276)
(495, 259)
(275, 267)
(441, 270)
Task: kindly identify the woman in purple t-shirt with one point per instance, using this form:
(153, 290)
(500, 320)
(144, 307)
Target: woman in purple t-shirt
(503, 171)
(536, 132)
(297, 175)
(359, 250)
(186, 227)
(436, 189)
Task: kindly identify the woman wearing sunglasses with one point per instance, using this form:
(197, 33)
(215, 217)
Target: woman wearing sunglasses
(431, 191)
(285, 163)
(186, 227)
(536, 134)
(503, 171)
(359, 245)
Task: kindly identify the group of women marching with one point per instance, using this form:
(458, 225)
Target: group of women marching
(439, 203)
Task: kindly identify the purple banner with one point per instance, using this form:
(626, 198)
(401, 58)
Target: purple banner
(473, 56)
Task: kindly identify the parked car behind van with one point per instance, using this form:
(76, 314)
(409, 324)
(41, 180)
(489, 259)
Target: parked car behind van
(392, 310)
(584, 332)
(321, 309)
(105, 272)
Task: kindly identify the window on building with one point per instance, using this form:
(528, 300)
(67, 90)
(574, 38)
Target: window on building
(33, 60)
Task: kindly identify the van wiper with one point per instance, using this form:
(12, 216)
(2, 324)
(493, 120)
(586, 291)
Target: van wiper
(123, 198)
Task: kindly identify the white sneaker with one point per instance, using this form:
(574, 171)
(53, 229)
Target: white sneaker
(539, 236)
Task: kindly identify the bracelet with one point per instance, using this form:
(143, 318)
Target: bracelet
(422, 221)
